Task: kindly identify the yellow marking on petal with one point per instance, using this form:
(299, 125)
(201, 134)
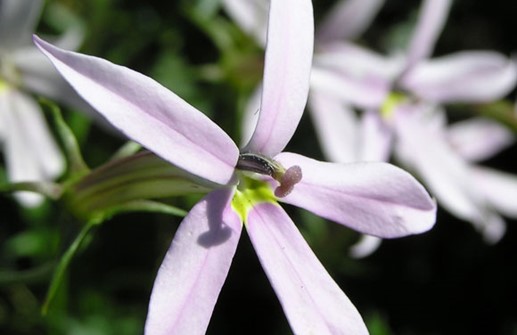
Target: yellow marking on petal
(249, 193)
(393, 100)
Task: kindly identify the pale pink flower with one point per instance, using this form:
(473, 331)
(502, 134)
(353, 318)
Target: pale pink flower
(374, 198)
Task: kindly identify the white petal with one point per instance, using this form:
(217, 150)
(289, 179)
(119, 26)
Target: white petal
(500, 189)
(347, 19)
(473, 76)
(431, 21)
(365, 246)
(30, 151)
(250, 15)
(479, 138)
(336, 127)
(18, 20)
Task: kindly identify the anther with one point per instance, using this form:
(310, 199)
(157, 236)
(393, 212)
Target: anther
(291, 177)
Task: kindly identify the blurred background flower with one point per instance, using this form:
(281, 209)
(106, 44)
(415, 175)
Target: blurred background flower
(30, 152)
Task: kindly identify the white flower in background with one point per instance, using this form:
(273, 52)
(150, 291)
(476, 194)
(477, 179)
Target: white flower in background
(30, 153)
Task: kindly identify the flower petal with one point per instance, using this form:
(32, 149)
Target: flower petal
(347, 19)
(355, 74)
(250, 15)
(374, 198)
(479, 138)
(475, 76)
(286, 75)
(365, 246)
(375, 138)
(431, 20)
(18, 20)
(442, 170)
(30, 151)
(367, 92)
(195, 267)
(312, 301)
(38, 75)
(336, 127)
(446, 174)
(359, 62)
(149, 114)
(500, 189)
(251, 115)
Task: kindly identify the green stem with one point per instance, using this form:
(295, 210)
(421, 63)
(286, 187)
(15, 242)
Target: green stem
(63, 264)
(70, 145)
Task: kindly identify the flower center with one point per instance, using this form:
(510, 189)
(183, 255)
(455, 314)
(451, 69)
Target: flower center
(267, 166)
(9, 74)
(393, 100)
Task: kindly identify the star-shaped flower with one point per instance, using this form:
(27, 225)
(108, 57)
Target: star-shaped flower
(374, 198)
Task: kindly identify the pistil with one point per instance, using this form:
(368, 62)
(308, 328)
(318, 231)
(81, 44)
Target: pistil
(267, 166)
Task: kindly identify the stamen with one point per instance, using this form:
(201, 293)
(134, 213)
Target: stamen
(266, 166)
(291, 177)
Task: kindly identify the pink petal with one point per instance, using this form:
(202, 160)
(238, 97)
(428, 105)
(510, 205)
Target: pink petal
(374, 198)
(431, 21)
(149, 114)
(347, 19)
(336, 127)
(195, 267)
(312, 301)
(478, 139)
(480, 76)
(286, 75)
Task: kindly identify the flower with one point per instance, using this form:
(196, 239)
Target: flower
(30, 151)
(396, 95)
(374, 198)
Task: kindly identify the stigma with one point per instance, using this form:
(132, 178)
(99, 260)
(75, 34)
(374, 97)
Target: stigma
(267, 166)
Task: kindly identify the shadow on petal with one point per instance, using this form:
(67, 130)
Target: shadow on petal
(217, 208)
